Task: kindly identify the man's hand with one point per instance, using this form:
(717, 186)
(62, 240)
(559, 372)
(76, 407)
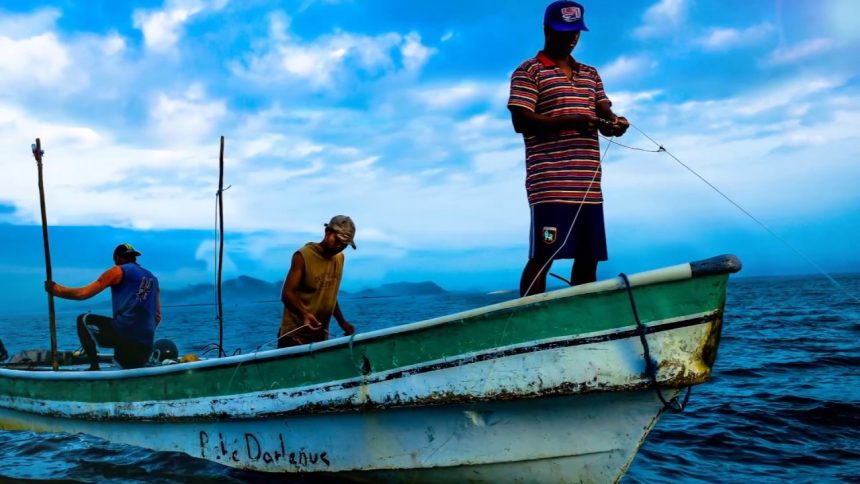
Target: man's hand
(49, 287)
(347, 328)
(583, 122)
(619, 127)
(311, 321)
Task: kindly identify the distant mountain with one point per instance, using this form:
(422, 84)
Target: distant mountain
(248, 289)
(241, 289)
(402, 289)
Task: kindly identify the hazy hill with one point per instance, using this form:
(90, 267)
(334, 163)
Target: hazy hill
(402, 289)
(249, 289)
(240, 289)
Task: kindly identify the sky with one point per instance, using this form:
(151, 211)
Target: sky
(394, 113)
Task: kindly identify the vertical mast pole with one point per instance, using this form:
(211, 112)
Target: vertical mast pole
(37, 153)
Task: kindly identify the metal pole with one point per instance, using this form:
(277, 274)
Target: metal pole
(221, 351)
(37, 153)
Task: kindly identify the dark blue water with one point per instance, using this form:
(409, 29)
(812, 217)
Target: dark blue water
(783, 405)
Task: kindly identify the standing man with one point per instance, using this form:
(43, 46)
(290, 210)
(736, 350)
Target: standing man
(136, 310)
(310, 289)
(558, 104)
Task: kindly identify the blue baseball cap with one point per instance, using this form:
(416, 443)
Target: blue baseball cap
(565, 16)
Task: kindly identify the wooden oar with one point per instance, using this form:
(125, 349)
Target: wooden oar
(37, 153)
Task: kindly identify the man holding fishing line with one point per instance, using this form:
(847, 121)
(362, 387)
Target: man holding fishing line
(558, 104)
(136, 310)
(310, 289)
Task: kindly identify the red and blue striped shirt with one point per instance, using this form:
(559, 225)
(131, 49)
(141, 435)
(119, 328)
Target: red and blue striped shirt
(562, 167)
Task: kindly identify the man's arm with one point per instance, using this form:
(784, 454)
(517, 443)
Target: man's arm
(531, 123)
(617, 124)
(110, 277)
(290, 295)
(347, 328)
(523, 102)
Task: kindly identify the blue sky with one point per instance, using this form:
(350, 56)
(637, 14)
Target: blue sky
(394, 113)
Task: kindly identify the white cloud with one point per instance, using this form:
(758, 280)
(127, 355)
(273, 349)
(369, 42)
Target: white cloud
(729, 38)
(113, 44)
(661, 18)
(799, 52)
(625, 67)
(415, 54)
(317, 63)
(187, 119)
(23, 26)
(624, 102)
(458, 95)
(162, 29)
(35, 55)
(763, 101)
(40, 60)
(754, 147)
(207, 252)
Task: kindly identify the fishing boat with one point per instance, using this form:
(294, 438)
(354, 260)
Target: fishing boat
(557, 387)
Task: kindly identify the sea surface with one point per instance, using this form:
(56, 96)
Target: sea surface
(783, 404)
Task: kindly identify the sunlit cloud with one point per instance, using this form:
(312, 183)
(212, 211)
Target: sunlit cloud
(163, 28)
(724, 39)
(317, 62)
(626, 69)
(662, 18)
(799, 52)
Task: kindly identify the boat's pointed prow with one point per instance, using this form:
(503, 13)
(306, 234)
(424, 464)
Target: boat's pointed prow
(721, 264)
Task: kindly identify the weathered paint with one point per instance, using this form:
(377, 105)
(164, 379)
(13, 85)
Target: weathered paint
(592, 437)
(578, 346)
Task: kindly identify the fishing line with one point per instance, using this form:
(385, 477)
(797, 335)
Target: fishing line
(612, 140)
(748, 214)
(216, 252)
(549, 261)
(257, 350)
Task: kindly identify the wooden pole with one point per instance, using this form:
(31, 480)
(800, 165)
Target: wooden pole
(221, 351)
(37, 153)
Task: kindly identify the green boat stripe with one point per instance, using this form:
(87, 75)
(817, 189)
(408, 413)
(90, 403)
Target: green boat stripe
(488, 356)
(491, 355)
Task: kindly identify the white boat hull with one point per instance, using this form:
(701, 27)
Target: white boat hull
(579, 438)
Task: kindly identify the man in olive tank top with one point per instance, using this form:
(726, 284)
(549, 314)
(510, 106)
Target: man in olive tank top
(310, 288)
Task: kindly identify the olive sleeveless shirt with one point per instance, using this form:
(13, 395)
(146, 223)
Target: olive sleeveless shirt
(317, 291)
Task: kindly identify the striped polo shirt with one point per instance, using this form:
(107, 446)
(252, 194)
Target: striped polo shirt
(559, 166)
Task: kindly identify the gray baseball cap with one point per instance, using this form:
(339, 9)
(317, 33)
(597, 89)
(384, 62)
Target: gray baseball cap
(344, 229)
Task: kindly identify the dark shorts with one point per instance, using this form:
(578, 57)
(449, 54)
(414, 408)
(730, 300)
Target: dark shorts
(555, 235)
(129, 354)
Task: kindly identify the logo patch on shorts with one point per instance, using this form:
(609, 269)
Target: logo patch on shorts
(549, 235)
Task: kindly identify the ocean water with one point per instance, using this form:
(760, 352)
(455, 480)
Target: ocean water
(783, 404)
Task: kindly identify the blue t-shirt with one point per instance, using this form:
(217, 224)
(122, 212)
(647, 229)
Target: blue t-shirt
(135, 302)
